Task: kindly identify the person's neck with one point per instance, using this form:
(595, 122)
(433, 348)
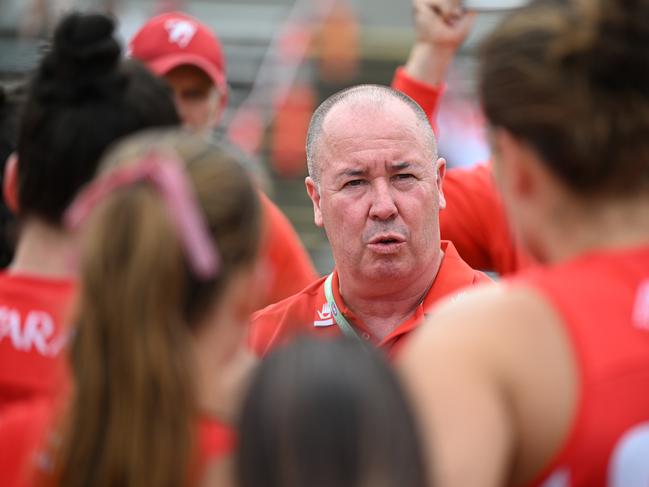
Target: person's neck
(43, 250)
(382, 306)
(605, 225)
(220, 374)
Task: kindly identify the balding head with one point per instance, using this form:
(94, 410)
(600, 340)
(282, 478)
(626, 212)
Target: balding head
(363, 101)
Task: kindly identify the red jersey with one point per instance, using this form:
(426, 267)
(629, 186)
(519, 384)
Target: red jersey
(426, 96)
(33, 332)
(309, 311)
(474, 218)
(24, 430)
(288, 266)
(475, 221)
(603, 300)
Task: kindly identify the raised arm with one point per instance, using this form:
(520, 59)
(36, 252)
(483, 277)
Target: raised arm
(474, 219)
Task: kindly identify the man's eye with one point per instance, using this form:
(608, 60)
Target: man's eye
(353, 182)
(404, 177)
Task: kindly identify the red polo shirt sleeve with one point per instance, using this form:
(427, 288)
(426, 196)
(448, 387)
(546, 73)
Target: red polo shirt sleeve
(475, 221)
(278, 323)
(427, 96)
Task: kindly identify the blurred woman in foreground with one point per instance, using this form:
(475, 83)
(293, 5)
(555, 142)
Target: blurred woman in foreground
(544, 379)
(167, 275)
(327, 413)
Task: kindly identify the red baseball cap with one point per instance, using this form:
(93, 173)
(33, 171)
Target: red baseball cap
(174, 39)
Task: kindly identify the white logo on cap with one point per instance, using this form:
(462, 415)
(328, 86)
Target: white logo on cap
(181, 32)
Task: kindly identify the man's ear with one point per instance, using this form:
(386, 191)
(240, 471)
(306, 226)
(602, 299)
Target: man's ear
(10, 183)
(314, 194)
(440, 172)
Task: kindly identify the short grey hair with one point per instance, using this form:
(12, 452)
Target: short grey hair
(377, 94)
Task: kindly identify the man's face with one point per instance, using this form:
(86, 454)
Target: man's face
(379, 192)
(197, 99)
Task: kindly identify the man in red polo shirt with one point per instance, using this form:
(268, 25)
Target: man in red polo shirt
(376, 185)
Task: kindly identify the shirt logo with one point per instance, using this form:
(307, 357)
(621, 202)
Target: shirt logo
(324, 316)
(34, 331)
(181, 32)
(641, 307)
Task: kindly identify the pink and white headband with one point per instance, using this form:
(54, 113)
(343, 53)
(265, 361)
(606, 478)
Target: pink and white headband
(167, 175)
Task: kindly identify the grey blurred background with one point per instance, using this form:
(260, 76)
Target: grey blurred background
(283, 58)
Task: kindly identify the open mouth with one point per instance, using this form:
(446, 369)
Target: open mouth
(386, 239)
(386, 243)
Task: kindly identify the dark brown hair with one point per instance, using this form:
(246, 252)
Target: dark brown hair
(327, 413)
(571, 78)
(132, 415)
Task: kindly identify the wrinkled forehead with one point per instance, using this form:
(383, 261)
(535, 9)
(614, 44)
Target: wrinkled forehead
(361, 125)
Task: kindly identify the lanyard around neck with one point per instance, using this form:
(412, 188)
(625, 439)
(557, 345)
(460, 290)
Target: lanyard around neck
(344, 325)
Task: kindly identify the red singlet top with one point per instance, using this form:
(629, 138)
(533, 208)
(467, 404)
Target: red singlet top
(24, 428)
(33, 332)
(603, 299)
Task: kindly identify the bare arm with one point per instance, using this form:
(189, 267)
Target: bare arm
(458, 397)
(494, 385)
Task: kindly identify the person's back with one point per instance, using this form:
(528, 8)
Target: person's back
(544, 380)
(607, 323)
(79, 101)
(325, 413)
(33, 315)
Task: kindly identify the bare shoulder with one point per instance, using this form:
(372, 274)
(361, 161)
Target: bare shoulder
(219, 474)
(492, 323)
(494, 363)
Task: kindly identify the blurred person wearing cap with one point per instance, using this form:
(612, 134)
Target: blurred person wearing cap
(190, 57)
(376, 189)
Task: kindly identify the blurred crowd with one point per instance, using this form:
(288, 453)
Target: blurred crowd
(161, 323)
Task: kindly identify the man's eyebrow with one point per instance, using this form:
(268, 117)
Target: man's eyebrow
(351, 173)
(398, 166)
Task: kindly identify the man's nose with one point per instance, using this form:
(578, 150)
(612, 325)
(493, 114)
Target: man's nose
(383, 206)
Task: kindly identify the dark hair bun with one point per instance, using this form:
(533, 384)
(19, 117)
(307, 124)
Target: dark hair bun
(86, 42)
(83, 62)
(610, 40)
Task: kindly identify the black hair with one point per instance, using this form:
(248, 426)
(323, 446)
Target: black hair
(324, 413)
(81, 99)
(11, 98)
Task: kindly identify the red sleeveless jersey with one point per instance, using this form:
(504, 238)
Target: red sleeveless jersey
(603, 299)
(33, 332)
(25, 430)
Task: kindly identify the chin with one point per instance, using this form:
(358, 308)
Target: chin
(388, 270)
